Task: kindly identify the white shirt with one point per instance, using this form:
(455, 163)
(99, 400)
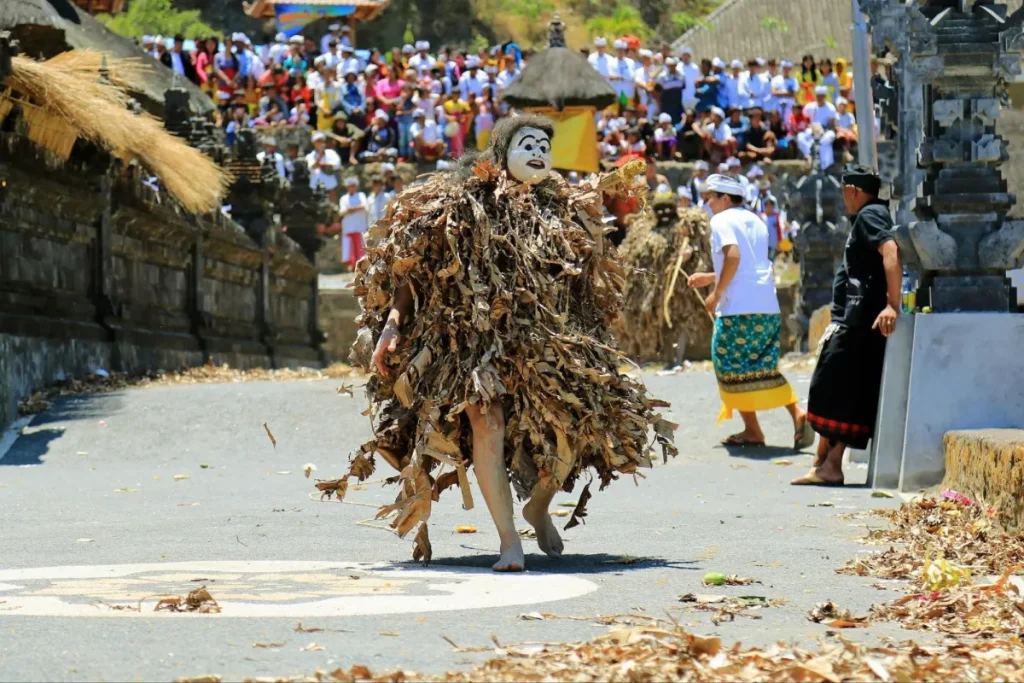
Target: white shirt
(327, 175)
(721, 132)
(356, 221)
(824, 114)
(425, 105)
(760, 90)
(641, 77)
(429, 129)
(691, 74)
(505, 77)
(350, 64)
(325, 43)
(256, 66)
(277, 53)
(732, 89)
(176, 63)
(422, 64)
(277, 161)
(605, 64)
(846, 121)
(626, 71)
(752, 289)
(378, 203)
(472, 87)
(826, 153)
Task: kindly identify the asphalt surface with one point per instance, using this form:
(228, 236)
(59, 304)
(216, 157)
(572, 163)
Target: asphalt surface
(92, 483)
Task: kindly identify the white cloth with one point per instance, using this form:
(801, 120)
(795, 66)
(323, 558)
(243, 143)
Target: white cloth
(355, 218)
(472, 86)
(605, 64)
(626, 84)
(732, 89)
(720, 132)
(784, 104)
(325, 46)
(326, 176)
(752, 289)
(378, 203)
(643, 75)
(277, 161)
(760, 90)
(505, 77)
(430, 130)
(277, 53)
(349, 64)
(425, 105)
(422, 64)
(177, 64)
(691, 74)
(824, 114)
(845, 121)
(826, 152)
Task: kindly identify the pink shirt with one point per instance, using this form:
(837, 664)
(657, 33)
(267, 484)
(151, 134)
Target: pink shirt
(388, 89)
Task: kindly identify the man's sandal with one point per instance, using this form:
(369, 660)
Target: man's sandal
(812, 479)
(742, 442)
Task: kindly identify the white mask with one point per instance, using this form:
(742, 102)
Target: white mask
(529, 155)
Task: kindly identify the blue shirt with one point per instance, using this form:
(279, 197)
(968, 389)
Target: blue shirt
(708, 96)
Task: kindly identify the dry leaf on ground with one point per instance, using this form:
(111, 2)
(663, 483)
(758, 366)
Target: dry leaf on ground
(268, 645)
(180, 477)
(273, 441)
(312, 647)
(199, 601)
(465, 529)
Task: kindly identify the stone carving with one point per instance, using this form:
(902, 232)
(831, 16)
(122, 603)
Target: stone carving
(815, 202)
(556, 32)
(953, 60)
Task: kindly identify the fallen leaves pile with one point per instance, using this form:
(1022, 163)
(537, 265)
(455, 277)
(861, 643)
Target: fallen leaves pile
(102, 382)
(199, 601)
(655, 653)
(946, 549)
(515, 289)
(658, 305)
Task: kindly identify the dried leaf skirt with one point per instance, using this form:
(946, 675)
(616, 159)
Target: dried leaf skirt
(658, 310)
(514, 298)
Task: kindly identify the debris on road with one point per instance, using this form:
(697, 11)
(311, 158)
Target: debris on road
(308, 469)
(465, 529)
(718, 579)
(312, 647)
(268, 646)
(181, 477)
(830, 614)
(208, 678)
(270, 434)
(881, 494)
(199, 601)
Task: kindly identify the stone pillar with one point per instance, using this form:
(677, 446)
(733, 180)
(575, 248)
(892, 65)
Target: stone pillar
(815, 202)
(953, 60)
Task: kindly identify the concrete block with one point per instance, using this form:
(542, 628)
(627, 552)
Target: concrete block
(987, 465)
(965, 373)
(890, 426)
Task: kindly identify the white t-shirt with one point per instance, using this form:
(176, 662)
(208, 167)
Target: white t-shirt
(356, 221)
(429, 129)
(691, 74)
(760, 90)
(752, 289)
(472, 86)
(606, 64)
(720, 132)
(845, 121)
(824, 114)
(327, 175)
(626, 71)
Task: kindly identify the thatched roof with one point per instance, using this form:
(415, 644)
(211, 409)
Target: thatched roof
(45, 28)
(559, 77)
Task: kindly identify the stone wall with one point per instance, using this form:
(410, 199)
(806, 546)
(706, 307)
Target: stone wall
(99, 271)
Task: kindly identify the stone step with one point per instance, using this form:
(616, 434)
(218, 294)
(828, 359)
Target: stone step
(987, 465)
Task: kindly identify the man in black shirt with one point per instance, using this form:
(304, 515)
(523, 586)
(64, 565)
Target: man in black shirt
(866, 295)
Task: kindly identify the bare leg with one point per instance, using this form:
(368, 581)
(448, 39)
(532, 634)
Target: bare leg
(831, 468)
(751, 428)
(798, 414)
(822, 453)
(489, 465)
(536, 513)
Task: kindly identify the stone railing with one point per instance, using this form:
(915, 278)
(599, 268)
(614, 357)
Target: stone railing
(99, 271)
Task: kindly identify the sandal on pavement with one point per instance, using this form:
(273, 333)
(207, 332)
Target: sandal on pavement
(804, 436)
(742, 442)
(812, 479)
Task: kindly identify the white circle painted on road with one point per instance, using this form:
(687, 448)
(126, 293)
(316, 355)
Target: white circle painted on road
(274, 589)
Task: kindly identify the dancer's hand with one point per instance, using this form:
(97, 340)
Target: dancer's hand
(387, 343)
(711, 303)
(886, 321)
(698, 280)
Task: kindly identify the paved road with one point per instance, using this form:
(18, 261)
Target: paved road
(92, 483)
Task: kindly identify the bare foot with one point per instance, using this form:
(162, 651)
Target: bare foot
(547, 535)
(512, 558)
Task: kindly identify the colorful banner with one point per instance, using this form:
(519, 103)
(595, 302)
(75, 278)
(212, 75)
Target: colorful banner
(292, 17)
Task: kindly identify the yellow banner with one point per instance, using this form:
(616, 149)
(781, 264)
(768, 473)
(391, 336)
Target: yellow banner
(574, 147)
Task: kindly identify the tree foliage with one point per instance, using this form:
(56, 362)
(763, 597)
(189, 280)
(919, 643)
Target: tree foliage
(625, 20)
(156, 17)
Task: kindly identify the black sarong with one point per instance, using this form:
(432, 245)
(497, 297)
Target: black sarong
(843, 401)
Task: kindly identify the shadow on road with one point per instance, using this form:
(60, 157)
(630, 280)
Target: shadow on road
(762, 453)
(29, 449)
(596, 563)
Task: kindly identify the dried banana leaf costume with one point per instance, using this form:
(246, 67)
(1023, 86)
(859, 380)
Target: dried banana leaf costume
(514, 298)
(663, 246)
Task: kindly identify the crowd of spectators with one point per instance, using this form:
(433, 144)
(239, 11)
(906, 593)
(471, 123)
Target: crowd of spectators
(414, 104)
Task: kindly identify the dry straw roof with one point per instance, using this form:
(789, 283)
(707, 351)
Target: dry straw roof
(559, 77)
(45, 28)
(64, 99)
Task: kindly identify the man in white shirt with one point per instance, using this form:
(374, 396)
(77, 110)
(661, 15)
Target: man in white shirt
(422, 61)
(718, 137)
(737, 86)
(604, 63)
(346, 36)
(748, 324)
(349, 62)
(354, 210)
(506, 75)
(323, 166)
(624, 83)
(690, 72)
(759, 84)
(278, 50)
(378, 200)
(271, 156)
(643, 78)
(825, 137)
(784, 89)
(845, 120)
(820, 111)
(333, 33)
(426, 138)
(471, 83)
